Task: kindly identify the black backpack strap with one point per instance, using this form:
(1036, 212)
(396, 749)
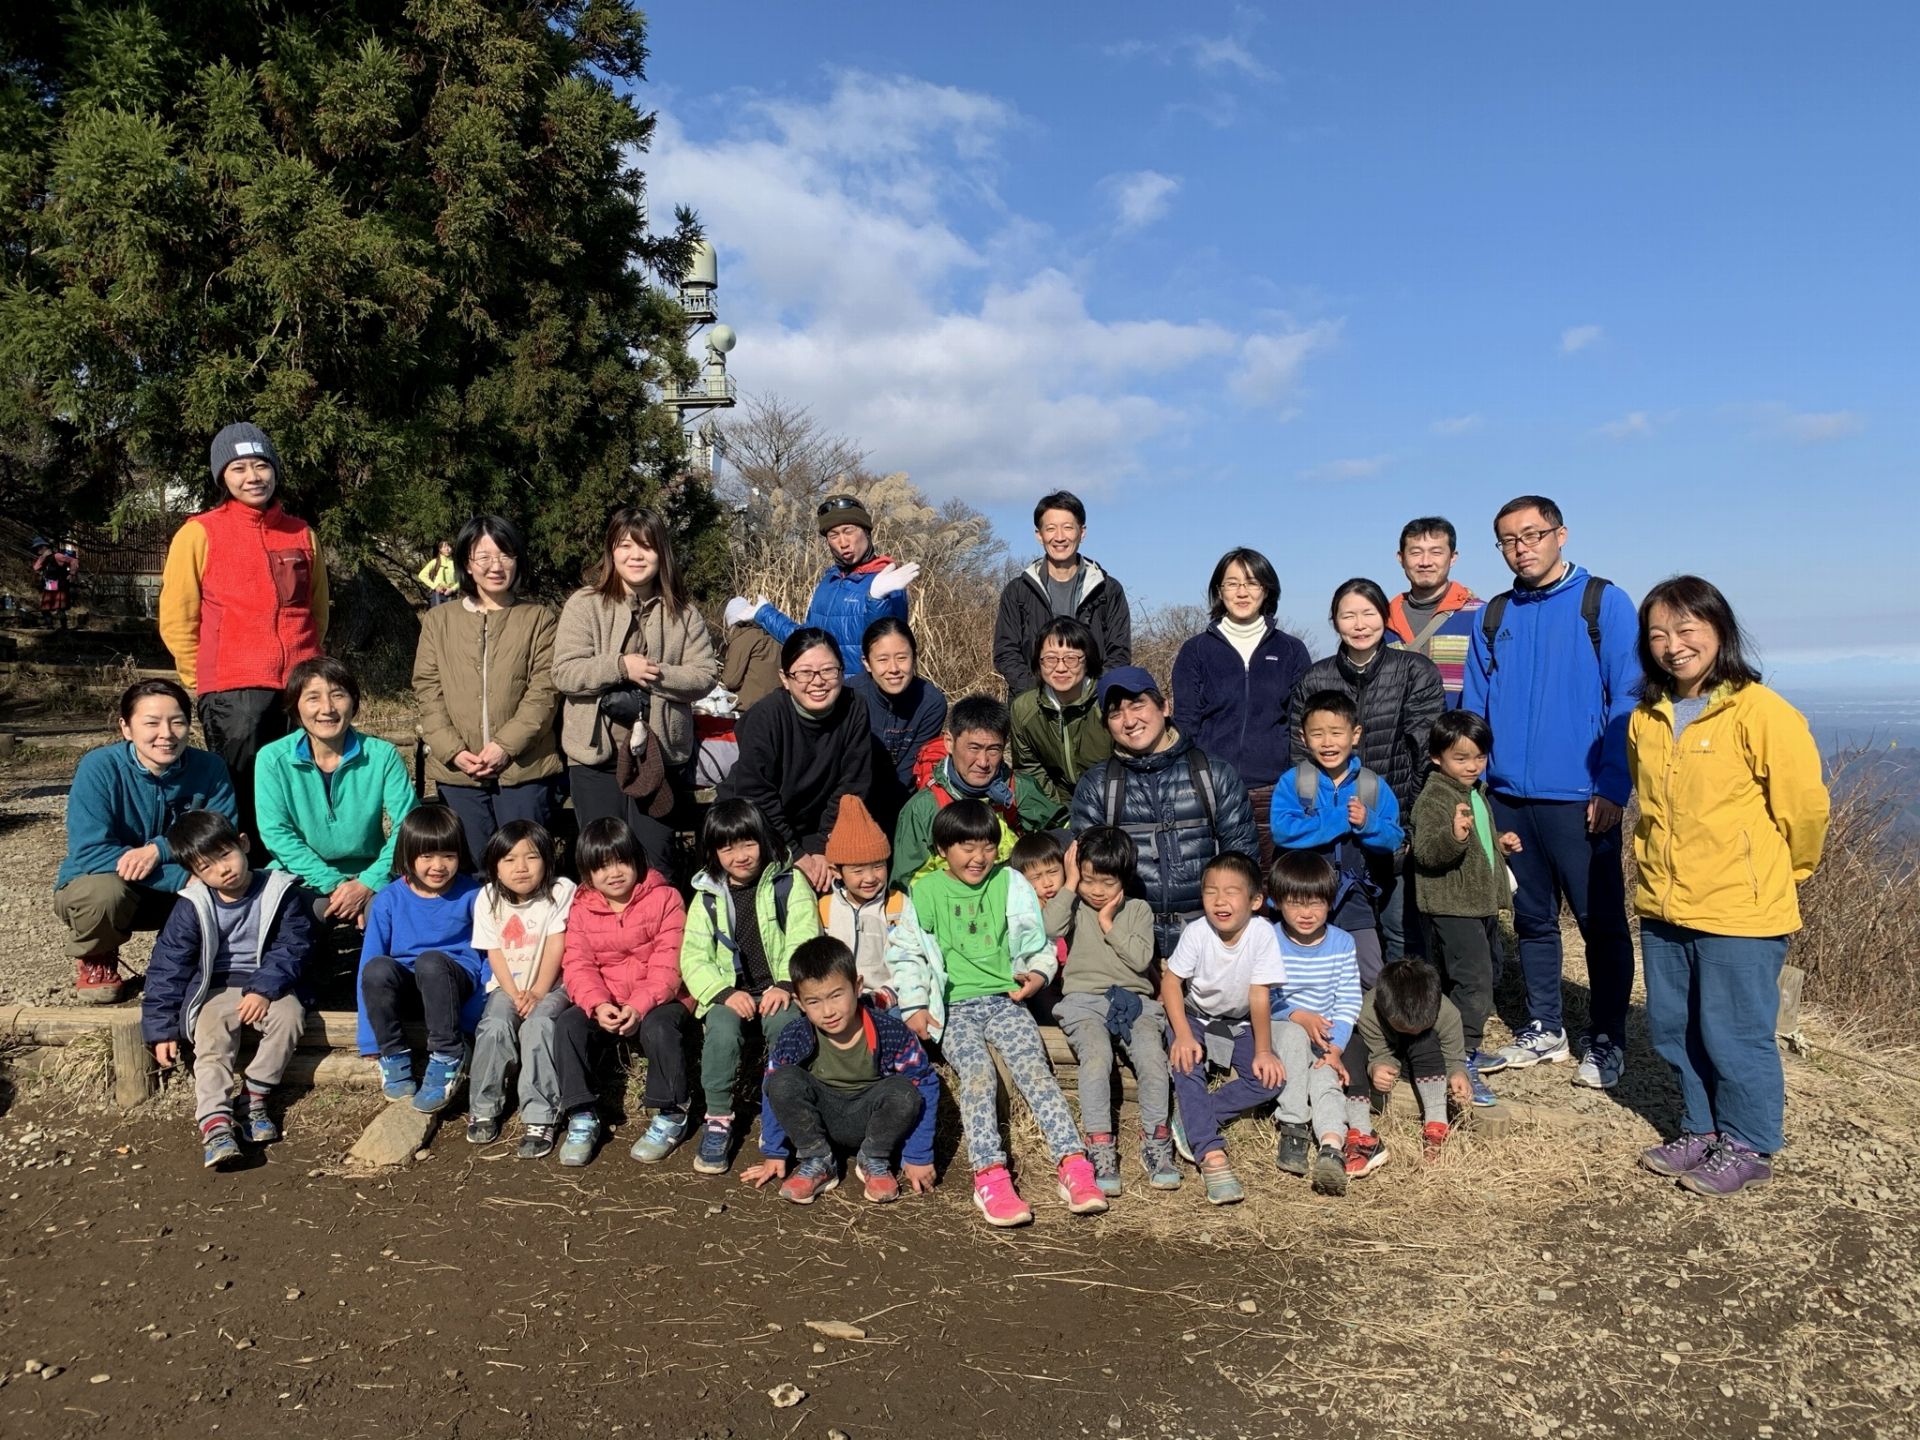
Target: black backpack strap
(1116, 786)
(782, 888)
(1590, 609)
(1490, 618)
(1200, 771)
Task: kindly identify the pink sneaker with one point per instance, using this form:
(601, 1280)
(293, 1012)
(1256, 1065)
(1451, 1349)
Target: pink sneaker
(993, 1192)
(1080, 1187)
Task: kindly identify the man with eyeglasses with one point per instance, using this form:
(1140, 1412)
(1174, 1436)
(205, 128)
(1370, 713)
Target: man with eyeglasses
(1062, 582)
(858, 588)
(1553, 666)
(1435, 614)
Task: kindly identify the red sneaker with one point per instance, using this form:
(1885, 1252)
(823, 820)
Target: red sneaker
(809, 1181)
(98, 980)
(881, 1186)
(1432, 1136)
(1080, 1186)
(1364, 1153)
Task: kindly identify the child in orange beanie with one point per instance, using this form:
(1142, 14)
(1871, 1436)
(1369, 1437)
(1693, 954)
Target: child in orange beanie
(859, 911)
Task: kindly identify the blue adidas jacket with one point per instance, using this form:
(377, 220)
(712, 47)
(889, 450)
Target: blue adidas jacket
(896, 1051)
(843, 606)
(1559, 714)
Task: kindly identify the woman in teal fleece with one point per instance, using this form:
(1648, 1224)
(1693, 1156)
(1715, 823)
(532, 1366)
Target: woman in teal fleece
(119, 874)
(322, 793)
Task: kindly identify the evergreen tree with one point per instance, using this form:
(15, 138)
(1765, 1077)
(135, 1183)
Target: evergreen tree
(407, 236)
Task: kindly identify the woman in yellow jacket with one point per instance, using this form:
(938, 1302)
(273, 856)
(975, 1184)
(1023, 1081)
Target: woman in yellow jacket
(1733, 812)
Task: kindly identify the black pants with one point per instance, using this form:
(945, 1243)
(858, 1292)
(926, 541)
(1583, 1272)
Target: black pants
(236, 723)
(596, 795)
(436, 987)
(1419, 1056)
(666, 1040)
(1461, 949)
(484, 809)
(816, 1117)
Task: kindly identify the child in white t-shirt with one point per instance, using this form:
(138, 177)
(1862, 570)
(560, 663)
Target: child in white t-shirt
(1216, 993)
(520, 925)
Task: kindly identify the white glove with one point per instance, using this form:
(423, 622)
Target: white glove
(892, 578)
(740, 610)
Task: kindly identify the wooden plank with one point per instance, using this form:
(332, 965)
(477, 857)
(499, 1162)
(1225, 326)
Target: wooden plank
(133, 1067)
(57, 1024)
(1792, 978)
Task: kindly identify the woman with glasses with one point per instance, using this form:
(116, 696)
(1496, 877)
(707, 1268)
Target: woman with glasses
(1232, 681)
(1058, 733)
(798, 760)
(483, 674)
(858, 588)
(630, 656)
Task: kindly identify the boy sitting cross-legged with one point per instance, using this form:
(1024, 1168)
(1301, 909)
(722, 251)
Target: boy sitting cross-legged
(228, 959)
(854, 1076)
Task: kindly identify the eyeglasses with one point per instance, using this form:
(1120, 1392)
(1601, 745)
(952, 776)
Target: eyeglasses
(837, 502)
(1070, 661)
(1240, 587)
(1507, 544)
(807, 679)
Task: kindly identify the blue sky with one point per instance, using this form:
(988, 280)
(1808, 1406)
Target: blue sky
(1289, 275)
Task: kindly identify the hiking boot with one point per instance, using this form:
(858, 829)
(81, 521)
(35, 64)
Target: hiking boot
(254, 1125)
(1295, 1155)
(1534, 1045)
(1104, 1156)
(663, 1135)
(1482, 1096)
(583, 1133)
(1600, 1069)
(536, 1143)
(1223, 1186)
(1679, 1155)
(482, 1130)
(396, 1077)
(1364, 1154)
(811, 1179)
(443, 1076)
(1156, 1158)
(218, 1146)
(993, 1192)
(716, 1149)
(1330, 1172)
(1728, 1170)
(881, 1185)
(1080, 1187)
(1433, 1135)
(97, 980)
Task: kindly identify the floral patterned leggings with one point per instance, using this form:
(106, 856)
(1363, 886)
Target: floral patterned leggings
(999, 1023)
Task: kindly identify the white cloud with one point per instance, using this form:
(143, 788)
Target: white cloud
(1224, 52)
(1634, 425)
(1457, 425)
(1576, 338)
(1140, 197)
(1810, 427)
(875, 276)
(1360, 467)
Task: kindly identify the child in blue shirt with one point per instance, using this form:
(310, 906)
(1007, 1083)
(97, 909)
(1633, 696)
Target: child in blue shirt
(1352, 818)
(419, 952)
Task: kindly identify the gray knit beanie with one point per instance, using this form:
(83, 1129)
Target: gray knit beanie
(238, 442)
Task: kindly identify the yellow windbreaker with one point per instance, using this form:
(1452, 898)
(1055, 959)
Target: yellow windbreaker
(1732, 817)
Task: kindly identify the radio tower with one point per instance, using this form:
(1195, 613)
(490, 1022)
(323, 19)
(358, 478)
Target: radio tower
(713, 390)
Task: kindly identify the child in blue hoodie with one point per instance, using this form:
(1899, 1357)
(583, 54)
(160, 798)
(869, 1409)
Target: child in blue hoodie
(1336, 807)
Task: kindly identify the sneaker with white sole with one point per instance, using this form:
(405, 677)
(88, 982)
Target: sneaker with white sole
(1601, 1067)
(1534, 1045)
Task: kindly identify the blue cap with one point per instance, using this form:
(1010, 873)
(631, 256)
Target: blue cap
(1126, 680)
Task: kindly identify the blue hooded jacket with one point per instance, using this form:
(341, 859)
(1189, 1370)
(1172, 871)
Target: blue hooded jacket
(116, 804)
(1558, 713)
(843, 606)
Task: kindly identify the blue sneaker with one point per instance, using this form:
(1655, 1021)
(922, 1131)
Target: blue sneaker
(218, 1147)
(663, 1136)
(1535, 1045)
(443, 1077)
(716, 1149)
(1179, 1137)
(1482, 1096)
(396, 1077)
(256, 1127)
(583, 1131)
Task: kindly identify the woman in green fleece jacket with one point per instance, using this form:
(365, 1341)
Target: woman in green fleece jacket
(329, 799)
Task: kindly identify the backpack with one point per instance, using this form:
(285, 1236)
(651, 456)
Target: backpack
(1306, 784)
(1496, 611)
(1199, 770)
(782, 888)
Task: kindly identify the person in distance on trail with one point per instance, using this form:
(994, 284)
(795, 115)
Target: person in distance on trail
(1061, 582)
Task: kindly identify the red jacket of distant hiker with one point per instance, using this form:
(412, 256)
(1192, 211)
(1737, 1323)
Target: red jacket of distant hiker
(243, 599)
(625, 957)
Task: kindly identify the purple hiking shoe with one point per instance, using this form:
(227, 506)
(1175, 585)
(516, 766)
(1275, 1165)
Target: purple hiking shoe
(1727, 1171)
(1679, 1155)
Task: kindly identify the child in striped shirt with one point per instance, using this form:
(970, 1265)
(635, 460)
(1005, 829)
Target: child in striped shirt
(1314, 1010)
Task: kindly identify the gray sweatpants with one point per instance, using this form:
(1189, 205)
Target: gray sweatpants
(1311, 1092)
(216, 1045)
(1084, 1018)
(502, 1043)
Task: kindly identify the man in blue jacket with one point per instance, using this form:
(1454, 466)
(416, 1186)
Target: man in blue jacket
(858, 588)
(1553, 667)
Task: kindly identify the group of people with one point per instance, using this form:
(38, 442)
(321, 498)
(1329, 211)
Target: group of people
(1270, 886)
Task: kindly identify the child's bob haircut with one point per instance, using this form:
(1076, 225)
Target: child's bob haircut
(1330, 702)
(729, 822)
(1236, 862)
(502, 841)
(1302, 875)
(1406, 997)
(1108, 850)
(609, 841)
(1037, 851)
(200, 837)
(1453, 726)
(430, 829)
(822, 959)
(962, 821)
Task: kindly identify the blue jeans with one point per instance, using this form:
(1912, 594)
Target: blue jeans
(1712, 1005)
(1558, 858)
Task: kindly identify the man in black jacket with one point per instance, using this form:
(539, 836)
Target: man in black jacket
(1061, 582)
